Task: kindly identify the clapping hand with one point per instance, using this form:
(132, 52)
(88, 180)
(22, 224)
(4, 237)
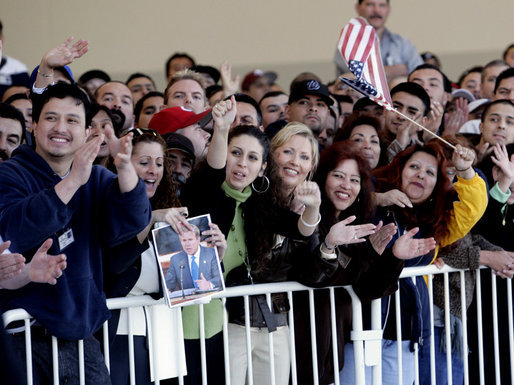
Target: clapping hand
(10, 264)
(342, 233)
(408, 247)
(382, 236)
(45, 268)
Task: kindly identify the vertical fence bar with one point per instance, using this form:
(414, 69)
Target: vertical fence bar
(376, 324)
(82, 370)
(449, 373)
(55, 360)
(333, 327)
(312, 318)
(226, 348)
(495, 328)
(294, 375)
(463, 305)
(248, 340)
(432, 326)
(479, 328)
(508, 285)
(28, 351)
(203, 354)
(270, 346)
(399, 336)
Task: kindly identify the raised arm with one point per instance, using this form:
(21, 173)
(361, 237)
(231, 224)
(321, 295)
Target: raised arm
(59, 56)
(223, 114)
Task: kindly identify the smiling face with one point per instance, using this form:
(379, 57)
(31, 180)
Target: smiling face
(244, 161)
(367, 141)
(419, 177)
(10, 136)
(293, 160)
(148, 160)
(343, 185)
(98, 124)
(498, 125)
(61, 130)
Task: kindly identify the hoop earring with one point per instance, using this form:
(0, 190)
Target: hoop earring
(265, 182)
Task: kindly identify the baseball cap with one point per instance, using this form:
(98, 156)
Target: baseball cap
(310, 87)
(179, 142)
(463, 93)
(174, 118)
(251, 78)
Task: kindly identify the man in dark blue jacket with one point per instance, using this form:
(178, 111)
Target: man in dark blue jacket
(54, 191)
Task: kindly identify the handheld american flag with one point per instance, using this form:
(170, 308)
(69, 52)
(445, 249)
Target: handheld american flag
(360, 48)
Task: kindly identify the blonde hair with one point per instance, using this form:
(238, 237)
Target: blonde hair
(292, 129)
(186, 74)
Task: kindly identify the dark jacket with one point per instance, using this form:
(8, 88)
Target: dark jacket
(100, 217)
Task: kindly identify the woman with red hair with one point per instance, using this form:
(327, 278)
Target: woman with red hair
(439, 210)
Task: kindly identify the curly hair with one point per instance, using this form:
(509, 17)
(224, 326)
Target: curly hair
(433, 214)
(166, 194)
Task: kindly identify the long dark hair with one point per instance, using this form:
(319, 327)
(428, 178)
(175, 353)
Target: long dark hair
(363, 207)
(166, 195)
(433, 214)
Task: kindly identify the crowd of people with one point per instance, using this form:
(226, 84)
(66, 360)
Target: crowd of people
(315, 183)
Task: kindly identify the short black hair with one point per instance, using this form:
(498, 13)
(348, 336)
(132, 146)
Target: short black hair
(211, 90)
(139, 75)
(139, 105)
(446, 82)
(477, 69)
(489, 105)
(243, 98)
(59, 90)
(508, 73)
(14, 97)
(415, 90)
(10, 112)
(175, 56)
(271, 94)
(94, 74)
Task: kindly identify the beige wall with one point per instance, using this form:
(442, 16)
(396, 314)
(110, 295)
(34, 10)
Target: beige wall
(288, 36)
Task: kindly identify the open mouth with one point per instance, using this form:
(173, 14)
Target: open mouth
(290, 171)
(342, 195)
(239, 175)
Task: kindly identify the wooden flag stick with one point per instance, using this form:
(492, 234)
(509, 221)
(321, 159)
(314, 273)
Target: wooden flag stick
(424, 128)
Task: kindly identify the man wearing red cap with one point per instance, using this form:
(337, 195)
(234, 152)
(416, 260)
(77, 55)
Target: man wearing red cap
(255, 84)
(185, 122)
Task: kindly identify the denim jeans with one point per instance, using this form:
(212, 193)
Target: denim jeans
(389, 364)
(68, 364)
(441, 373)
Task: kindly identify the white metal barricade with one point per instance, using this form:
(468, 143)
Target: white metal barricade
(367, 343)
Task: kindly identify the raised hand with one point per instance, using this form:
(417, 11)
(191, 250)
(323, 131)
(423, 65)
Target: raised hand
(392, 197)
(382, 236)
(435, 118)
(45, 268)
(462, 159)
(454, 120)
(308, 193)
(230, 85)
(127, 176)
(407, 247)
(10, 264)
(224, 114)
(506, 165)
(83, 160)
(65, 53)
(217, 238)
(343, 234)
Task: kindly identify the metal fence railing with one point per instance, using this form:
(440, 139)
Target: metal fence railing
(366, 343)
